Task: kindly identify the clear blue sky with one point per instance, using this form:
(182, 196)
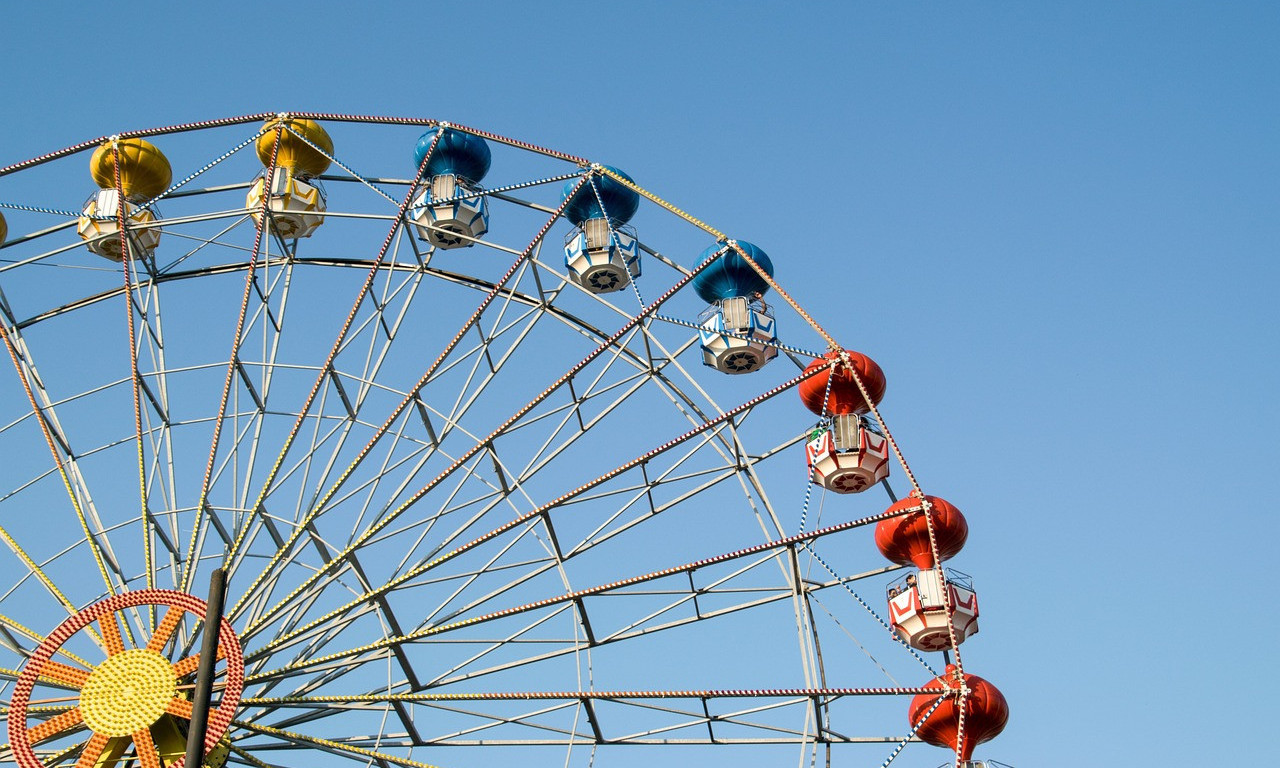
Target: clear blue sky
(1053, 224)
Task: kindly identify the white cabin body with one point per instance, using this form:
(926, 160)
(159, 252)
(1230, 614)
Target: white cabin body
(918, 612)
(450, 213)
(296, 207)
(99, 227)
(847, 455)
(738, 335)
(602, 259)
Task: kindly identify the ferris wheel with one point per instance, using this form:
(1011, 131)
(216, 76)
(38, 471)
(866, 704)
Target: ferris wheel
(497, 452)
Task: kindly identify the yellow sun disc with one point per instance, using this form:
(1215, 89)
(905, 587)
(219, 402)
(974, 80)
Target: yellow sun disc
(127, 692)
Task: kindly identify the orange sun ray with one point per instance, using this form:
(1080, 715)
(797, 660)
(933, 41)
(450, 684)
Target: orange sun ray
(64, 674)
(179, 708)
(93, 750)
(55, 725)
(167, 625)
(111, 635)
(145, 748)
(190, 664)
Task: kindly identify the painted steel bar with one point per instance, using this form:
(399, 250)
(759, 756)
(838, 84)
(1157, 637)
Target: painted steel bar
(249, 758)
(342, 118)
(699, 223)
(720, 236)
(134, 376)
(710, 693)
(163, 481)
(404, 741)
(768, 278)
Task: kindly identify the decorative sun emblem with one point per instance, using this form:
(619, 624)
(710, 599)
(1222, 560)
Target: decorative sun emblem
(122, 697)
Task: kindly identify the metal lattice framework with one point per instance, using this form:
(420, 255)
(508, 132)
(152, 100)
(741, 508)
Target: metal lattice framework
(462, 502)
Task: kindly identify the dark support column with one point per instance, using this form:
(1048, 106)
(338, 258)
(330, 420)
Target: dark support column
(204, 674)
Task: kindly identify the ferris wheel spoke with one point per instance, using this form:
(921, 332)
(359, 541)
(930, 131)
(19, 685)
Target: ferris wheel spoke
(711, 424)
(639, 496)
(319, 632)
(494, 496)
(520, 325)
(492, 566)
(43, 577)
(253, 522)
(462, 674)
(720, 598)
(152, 425)
(715, 714)
(448, 425)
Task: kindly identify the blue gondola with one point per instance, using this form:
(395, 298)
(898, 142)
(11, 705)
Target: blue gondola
(738, 330)
(601, 253)
(451, 211)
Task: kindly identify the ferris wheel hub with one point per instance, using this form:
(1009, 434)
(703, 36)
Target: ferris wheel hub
(128, 692)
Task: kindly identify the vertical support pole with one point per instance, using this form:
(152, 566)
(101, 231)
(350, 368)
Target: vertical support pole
(204, 673)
